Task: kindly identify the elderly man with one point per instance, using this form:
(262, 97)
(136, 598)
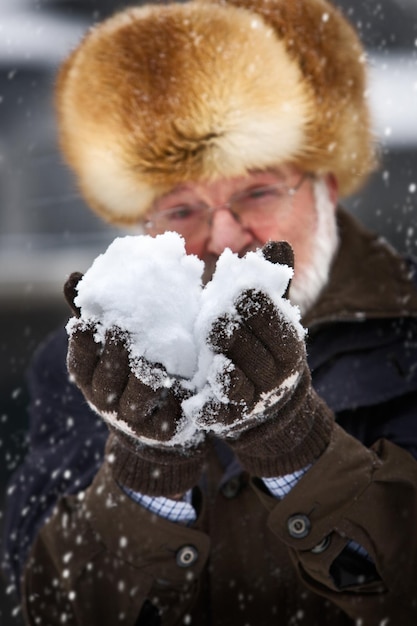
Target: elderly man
(238, 125)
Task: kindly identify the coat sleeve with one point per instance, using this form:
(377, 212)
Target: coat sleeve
(102, 559)
(368, 496)
(65, 449)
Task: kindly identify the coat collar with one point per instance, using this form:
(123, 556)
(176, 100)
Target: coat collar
(368, 279)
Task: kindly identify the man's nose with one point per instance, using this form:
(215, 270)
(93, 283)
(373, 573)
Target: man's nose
(227, 232)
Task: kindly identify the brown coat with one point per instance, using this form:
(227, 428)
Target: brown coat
(101, 556)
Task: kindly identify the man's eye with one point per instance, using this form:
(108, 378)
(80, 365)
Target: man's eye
(181, 213)
(262, 193)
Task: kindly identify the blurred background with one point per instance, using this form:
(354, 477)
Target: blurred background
(45, 229)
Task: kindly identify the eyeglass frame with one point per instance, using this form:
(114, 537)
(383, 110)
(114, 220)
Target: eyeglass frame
(208, 209)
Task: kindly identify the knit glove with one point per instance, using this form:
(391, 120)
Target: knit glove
(268, 411)
(141, 405)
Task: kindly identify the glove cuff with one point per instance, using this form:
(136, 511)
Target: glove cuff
(294, 438)
(154, 471)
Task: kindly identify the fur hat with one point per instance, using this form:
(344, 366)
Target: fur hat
(161, 94)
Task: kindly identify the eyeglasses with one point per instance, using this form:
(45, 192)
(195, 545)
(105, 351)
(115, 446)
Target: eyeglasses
(254, 207)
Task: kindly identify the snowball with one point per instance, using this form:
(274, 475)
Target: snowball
(152, 290)
(234, 275)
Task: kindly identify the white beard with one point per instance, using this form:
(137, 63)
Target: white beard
(310, 279)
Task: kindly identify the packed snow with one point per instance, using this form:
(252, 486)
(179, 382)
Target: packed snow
(149, 288)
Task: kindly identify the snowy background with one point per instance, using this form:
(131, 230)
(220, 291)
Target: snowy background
(46, 231)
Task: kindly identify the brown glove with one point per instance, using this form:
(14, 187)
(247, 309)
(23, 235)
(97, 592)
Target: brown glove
(142, 416)
(273, 418)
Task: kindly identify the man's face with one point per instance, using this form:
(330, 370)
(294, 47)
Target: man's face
(269, 205)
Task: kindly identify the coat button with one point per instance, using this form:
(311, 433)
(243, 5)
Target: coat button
(231, 488)
(298, 526)
(186, 556)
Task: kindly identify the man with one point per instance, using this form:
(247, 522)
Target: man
(237, 125)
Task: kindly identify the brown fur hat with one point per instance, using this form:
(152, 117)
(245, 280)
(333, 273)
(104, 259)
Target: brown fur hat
(161, 94)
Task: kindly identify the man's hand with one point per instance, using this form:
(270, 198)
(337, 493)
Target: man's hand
(140, 403)
(265, 360)
(267, 409)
